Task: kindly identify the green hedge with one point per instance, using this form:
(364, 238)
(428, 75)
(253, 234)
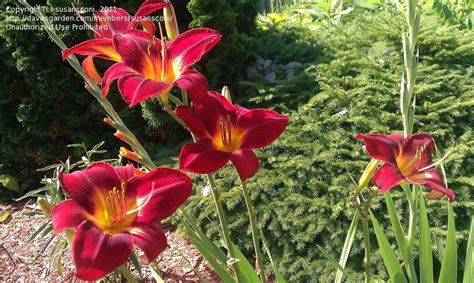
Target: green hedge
(351, 85)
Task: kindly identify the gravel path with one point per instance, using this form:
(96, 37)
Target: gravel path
(178, 263)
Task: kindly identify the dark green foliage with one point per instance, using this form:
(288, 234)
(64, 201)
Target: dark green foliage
(301, 192)
(225, 64)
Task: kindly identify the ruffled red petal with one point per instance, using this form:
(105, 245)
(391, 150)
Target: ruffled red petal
(135, 89)
(211, 108)
(383, 147)
(260, 127)
(387, 177)
(125, 172)
(90, 70)
(82, 185)
(150, 6)
(112, 21)
(195, 85)
(150, 239)
(191, 45)
(115, 71)
(246, 163)
(432, 179)
(170, 189)
(194, 124)
(98, 47)
(67, 214)
(413, 145)
(202, 158)
(97, 254)
(139, 51)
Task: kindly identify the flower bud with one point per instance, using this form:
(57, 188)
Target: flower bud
(45, 206)
(120, 136)
(368, 173)
(226, 93)
(108, 121)
(171, 24)
(129, 154)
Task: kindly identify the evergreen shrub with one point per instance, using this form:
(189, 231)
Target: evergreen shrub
(301, 195)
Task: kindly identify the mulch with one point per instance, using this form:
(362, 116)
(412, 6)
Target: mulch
(181, 262)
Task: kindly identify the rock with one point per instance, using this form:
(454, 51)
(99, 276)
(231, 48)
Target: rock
(342, 112)
(270, 77)
(253, 74)
(290, 73)
(267, 64)
(293, 65)
(260, 61)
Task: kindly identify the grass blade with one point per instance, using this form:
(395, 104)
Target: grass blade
(426, 253)
(469, 263)
(400, 237)
(351, 233)
(389, 258)
(449, 265)
(331, 259)
(278, 276)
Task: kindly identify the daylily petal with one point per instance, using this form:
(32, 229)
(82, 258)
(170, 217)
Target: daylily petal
(90, 70)
(82, 185)
(136, 89)
(420, 143)
(115, 71)
(97, 254)
(195, 85)
(432, 179)
(67, 214)
(112, 21)
(387, 177)
(193, 123)
(139, 51)
(382, 147)
(213, 106)
(150, 6)
(261, 127)
(99, 47)
(246, 163)
(190, 46)
(202, 158)
(125, 172)
(148, 26)
(170, 189)
(151, 240)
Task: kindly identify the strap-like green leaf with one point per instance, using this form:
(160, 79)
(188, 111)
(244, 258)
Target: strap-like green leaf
(469, 263)
(389, 258)
(278, 276)
(351, 233)
(449, 265)
(426, 253)
(400, 237)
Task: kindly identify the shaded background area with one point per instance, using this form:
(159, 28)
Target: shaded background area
(333, 79)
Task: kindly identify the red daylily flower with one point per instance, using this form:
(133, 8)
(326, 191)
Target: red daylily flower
(406, 160)
(110, 22)
(227, 132)
(114, 209)
(151, 67)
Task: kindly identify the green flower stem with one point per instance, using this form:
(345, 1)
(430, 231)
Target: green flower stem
(409, 39)
(253, 226)
(365, 229)
(413, 218)
(123, 269)
(224, 224)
